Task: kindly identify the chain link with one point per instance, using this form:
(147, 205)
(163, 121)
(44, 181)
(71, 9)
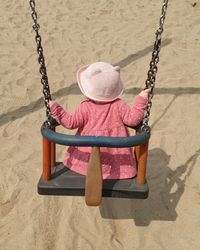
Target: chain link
(42, 69)
(151, 75)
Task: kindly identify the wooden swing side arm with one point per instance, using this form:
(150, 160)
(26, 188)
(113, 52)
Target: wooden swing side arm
(141, 154)
(49, 158)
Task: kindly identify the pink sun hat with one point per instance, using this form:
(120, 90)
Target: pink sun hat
(100, 81)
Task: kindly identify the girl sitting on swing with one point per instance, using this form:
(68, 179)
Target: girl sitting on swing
(103, 113)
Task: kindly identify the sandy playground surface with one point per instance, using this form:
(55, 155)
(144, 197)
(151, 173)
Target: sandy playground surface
(120, 32)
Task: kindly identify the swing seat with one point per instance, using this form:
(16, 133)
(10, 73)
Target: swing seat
(66, 182)
(59, 180)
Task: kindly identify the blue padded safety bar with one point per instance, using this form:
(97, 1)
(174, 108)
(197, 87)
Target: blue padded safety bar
(98, 141)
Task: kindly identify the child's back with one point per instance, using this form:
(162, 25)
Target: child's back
(102, 119)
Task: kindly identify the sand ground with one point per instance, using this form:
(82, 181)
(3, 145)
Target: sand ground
(120, 32)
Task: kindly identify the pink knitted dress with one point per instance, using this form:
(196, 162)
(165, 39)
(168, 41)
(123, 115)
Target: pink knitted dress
(106, 119)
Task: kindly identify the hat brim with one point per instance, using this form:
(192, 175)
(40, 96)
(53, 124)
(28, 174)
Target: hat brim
(81, 86)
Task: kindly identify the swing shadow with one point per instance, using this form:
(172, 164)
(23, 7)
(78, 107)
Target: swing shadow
(72, 89)
(166, 188)
(164, 112)
(141, 53)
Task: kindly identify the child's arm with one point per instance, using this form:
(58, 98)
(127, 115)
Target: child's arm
(132, 116)
(67, 120)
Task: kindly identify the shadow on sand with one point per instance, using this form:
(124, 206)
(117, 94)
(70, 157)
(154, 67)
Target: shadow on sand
(166, 188)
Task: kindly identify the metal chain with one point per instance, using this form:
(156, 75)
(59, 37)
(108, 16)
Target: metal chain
(41, 60)
(150, 82)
